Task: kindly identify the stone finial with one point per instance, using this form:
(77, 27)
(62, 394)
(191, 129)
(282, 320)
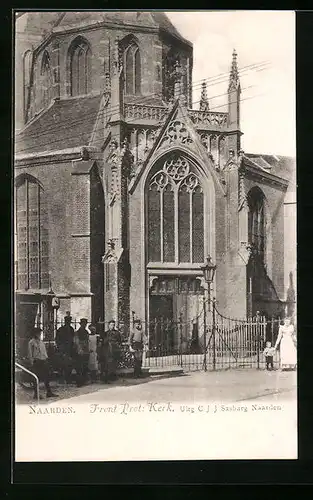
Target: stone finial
(204, 103)
(234, 73)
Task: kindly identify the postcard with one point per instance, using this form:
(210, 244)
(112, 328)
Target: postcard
(155, 235)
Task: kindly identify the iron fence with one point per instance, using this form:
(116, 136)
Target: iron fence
(211, 342)
(225, 343)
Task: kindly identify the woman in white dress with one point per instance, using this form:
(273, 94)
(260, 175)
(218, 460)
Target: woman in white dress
(286, 339)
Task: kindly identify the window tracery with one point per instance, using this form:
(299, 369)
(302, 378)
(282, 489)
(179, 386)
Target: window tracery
(175, 213)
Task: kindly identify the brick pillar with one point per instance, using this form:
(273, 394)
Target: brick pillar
(116, 259)
(80, 286)
(236, 266)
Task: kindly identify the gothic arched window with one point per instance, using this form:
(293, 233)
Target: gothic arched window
(132, 72)
(175, 213)
(27, 62)
(80, 67)
(31, 234)
(256, 221)
(46, 80)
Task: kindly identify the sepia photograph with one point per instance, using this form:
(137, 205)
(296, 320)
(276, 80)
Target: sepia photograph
(155, 280)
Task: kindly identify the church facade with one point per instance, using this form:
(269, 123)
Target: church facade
(122, 189)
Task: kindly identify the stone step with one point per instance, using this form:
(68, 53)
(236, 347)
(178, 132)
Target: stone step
(168, 370)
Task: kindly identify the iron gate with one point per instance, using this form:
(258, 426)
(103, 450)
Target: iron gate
(210, 341)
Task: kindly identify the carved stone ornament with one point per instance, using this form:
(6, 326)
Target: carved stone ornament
(115, 155)
(242, 197)
(84, 154)
(176, 133)
(245, 251)
(110, 255)
(151, 280)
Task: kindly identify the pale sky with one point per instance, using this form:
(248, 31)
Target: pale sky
(268, 96)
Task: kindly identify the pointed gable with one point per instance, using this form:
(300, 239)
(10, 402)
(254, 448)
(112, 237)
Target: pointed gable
(178, 132)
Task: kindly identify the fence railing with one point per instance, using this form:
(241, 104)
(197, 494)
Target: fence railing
(22, 368)
(226, 342)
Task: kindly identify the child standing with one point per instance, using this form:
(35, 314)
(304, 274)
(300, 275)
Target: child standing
(269, 353)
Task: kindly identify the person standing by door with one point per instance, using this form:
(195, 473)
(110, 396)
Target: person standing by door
(115, 344)
(137, 341)
(65, 343)
(81, 348)
(103, 356)
(38, 359)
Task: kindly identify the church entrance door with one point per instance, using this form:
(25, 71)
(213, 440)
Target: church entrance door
(174, 304)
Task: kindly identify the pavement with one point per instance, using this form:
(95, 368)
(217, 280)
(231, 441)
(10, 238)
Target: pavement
(227, 385)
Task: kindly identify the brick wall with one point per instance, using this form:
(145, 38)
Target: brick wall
(56, 178)
(75, 206)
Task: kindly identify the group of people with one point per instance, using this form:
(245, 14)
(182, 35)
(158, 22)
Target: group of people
(87, 352)
(288, 351)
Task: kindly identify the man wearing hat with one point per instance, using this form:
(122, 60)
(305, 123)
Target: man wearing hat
(65, 344)
(110, 351)
(137, 340)
(81, 350)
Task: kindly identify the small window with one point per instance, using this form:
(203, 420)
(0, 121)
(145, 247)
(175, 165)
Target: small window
(27, 62)
(256, 221)
(46, 80)
(80, 67)
(132, 69)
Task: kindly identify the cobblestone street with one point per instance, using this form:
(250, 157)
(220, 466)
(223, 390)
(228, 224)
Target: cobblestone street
(230, 385)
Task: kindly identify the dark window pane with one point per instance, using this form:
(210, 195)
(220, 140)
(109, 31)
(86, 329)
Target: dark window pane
(21, 199)
(88, 71)
(34, 280)
(80, 69)
(22, 281)
(33, 196)
(137, 72)
(44, 265)
(74, 74)
(132, 70)
(21, 265)
(168, 225)
(129, 71)
(34, 264)
(44, 280)
(184, 226)
(154, 233)
(256, 222)
(197, 227)
(33, 248)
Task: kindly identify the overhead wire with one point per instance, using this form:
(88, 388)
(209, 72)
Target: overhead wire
(129, 121)
(112, 110)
